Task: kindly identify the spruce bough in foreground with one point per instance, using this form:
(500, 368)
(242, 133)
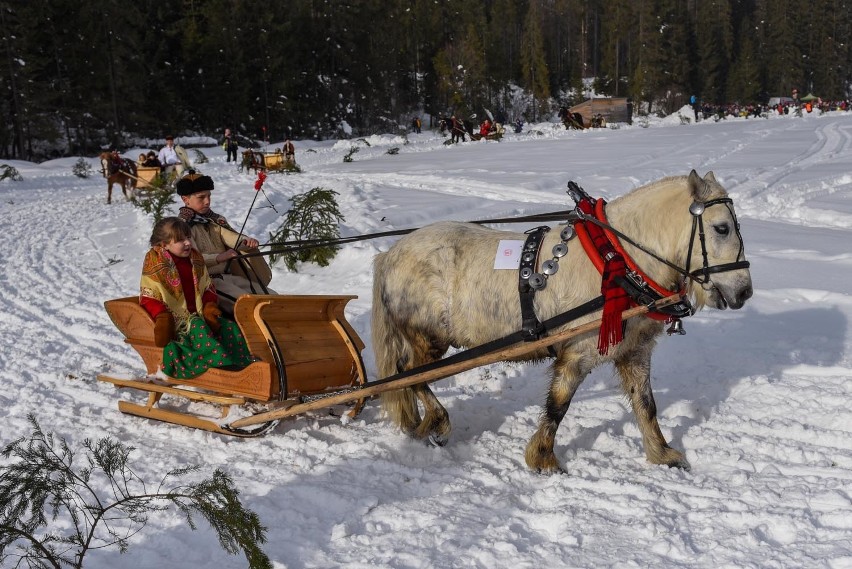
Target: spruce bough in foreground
(53, 512)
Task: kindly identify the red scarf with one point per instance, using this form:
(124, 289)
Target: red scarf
(616, 299)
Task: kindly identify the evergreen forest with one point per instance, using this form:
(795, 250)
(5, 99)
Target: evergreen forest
(81, 75)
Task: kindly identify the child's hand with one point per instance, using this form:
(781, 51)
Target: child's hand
(211, 313)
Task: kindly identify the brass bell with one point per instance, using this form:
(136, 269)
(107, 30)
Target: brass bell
(676, 328)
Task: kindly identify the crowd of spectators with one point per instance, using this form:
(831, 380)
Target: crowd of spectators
(717, 112)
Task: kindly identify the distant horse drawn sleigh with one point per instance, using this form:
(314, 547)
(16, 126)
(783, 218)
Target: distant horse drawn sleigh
(131, 176)
(428, 297)
(276, 161)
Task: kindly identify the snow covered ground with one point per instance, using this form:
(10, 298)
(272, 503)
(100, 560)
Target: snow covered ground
(759, 399)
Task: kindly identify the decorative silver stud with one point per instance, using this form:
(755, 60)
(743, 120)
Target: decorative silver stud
(560, 250)
(538, 281)
(550, 267)
(697, 208)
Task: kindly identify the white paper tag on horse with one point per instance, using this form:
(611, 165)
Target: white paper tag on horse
(508, 254)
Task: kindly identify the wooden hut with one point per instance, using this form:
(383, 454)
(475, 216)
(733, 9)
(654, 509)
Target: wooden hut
(613, 109)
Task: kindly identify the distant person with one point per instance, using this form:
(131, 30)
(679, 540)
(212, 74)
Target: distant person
(457, 131)
(289, 151)
(229, 143)
(693, 102)
(178, 293)
(416, 125)
(151, 160)
(169, 160)
(485, 128)
(217, 241)
(519, 125)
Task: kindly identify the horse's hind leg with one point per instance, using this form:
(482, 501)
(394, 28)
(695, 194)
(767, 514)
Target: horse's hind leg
(401, 405)
(435, 424)
(634, 368)
(569, 371)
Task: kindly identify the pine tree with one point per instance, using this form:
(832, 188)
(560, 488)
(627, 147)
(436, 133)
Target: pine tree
(533, 66)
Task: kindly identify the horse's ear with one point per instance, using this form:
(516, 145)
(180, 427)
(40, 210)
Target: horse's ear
(699, 189)
(710, 178)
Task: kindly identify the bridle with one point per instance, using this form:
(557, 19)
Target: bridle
(697, 210)
(641, 288)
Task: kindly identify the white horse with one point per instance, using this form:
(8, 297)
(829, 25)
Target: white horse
(437, 288)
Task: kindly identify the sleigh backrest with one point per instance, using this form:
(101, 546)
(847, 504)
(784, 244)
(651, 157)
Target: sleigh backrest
(310, 336)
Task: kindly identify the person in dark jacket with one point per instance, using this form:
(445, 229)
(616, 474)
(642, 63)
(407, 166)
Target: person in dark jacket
(230, 145)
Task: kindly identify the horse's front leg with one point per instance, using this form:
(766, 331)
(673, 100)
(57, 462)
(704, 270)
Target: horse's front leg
(109, 193)
(634, 368)
(569, 371)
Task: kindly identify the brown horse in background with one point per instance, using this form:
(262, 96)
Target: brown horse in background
(118, 170)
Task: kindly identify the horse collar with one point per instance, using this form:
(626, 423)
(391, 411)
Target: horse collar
(601, 244)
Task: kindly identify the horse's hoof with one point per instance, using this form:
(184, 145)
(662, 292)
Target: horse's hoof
(544, 465)
(671, 458)
(683, 464)
(438, 440)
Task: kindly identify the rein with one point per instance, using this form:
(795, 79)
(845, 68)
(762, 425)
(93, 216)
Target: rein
(307, 244)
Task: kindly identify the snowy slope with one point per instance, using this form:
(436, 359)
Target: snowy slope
(759, 398)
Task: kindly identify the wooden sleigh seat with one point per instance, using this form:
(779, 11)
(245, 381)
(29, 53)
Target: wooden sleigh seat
(302, 344)
(145, 176)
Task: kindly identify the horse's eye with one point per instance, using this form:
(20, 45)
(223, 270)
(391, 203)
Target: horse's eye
(722, 228)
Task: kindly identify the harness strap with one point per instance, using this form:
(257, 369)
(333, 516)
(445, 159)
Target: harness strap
(494, 345)
(531, 327)
(635, 283)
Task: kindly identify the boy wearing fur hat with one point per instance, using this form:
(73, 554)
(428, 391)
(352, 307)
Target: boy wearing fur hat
(232, 275)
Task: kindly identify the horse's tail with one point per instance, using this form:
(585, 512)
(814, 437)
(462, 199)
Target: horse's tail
(392, 351)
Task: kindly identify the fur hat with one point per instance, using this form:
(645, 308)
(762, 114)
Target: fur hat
(192, 183)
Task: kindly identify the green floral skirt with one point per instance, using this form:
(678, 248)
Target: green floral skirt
(197, 350)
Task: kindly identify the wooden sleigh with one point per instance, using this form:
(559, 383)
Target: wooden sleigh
(302, 344)
(266, 161)
(146, 176)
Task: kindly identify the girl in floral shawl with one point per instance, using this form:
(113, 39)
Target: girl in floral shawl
(178, 293)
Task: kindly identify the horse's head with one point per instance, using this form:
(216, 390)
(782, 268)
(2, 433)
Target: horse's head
(106, 160)
(717, 260)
